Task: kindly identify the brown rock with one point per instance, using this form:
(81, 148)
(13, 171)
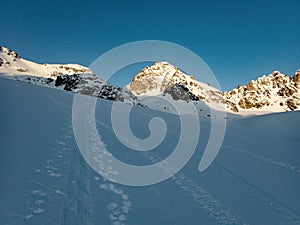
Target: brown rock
(292, 104)
(296, 77)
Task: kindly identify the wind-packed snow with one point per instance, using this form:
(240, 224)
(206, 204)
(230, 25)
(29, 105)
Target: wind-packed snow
(44, 179)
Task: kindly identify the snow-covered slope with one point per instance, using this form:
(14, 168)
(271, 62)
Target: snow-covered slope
(45, 180)
(273, 93)
(12, 64)
(68, 77)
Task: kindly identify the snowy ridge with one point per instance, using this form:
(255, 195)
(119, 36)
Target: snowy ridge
(276, 92)
(68, 77)
(12, 64)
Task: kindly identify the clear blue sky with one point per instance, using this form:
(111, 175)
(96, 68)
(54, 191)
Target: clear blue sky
(239, 40)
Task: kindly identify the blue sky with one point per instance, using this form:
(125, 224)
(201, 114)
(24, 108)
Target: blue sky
(239, 40)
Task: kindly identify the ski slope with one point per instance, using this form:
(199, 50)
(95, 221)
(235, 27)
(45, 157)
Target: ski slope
(255, 179)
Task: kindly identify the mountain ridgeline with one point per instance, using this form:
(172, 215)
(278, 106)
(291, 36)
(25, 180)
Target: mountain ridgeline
(275, 92)
(69, 77)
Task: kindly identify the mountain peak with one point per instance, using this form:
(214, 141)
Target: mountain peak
(296, 78)
(161, 76)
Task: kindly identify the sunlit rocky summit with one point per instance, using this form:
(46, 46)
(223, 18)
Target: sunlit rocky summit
(162, 77)
(273, 93)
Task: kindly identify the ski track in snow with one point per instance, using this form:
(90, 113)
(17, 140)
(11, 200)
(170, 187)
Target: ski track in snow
(41, 193)
(47, 188)
(119, 210)
(58, 102)
(263, 197)
(216, 210)
(78, 204)
(77, 199)
(213, 207)
(259, 194)
(282, 164)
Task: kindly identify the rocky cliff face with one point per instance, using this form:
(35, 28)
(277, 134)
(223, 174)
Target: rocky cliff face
(275, 92)
(92, 85)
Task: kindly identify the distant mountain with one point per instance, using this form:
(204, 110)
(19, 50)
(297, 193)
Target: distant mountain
(273, 93)
(69, 77)
(276, 92)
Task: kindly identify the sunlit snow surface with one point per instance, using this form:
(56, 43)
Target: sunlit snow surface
(255, 179)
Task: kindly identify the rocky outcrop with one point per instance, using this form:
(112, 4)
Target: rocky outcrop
(296, 78)
(90, 84)
(180, 92)
(276, 91)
